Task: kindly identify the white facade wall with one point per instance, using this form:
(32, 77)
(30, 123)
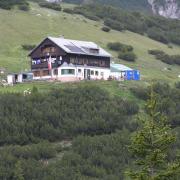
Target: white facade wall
(20, 78)
(80, 73)
(118, 75)
(103, 73)
(10, 79)
(42, 77)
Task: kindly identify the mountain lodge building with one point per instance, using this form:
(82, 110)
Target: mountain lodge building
(69, 60)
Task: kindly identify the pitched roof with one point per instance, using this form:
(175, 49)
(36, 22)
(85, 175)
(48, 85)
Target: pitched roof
(119, 68)
(79, 47)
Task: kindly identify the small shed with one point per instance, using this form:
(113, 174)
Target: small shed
(24, 76)
(122, 72)
(19, 77)
(11, 79)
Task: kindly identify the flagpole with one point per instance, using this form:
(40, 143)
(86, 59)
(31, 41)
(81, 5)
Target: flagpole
(51, 66)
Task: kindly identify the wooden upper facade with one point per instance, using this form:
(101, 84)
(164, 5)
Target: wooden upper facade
(72, 52)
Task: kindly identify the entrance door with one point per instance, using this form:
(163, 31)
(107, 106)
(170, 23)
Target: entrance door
(87, 74)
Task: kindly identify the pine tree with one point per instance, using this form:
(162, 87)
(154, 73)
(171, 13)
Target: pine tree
(18, 172)
(150, 146)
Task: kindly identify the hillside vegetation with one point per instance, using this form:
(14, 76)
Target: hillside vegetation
(18, 28)
(129, 5)
(75, 132)
(157, 28)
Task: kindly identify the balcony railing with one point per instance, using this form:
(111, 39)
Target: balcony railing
(40, 66)
(43, 65)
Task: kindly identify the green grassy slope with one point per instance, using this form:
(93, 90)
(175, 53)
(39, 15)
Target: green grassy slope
(19, 28)
(112, 87)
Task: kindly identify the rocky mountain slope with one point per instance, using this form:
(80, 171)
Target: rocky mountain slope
(166, 8)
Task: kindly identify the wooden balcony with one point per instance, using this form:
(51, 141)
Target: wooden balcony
(43, 65)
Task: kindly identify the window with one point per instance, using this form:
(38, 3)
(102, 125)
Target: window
(45, 73)
(92, 72)
(76, 61)
(67, 71)
(94, 51)
(103, 63)
(79, 70)
(96, 73)
(85, 61)
(72, 60)
(93, 62)
(52, 49)
(48, 49)
(107, 63)
(36, 73)
(33, 62)
(102, 74)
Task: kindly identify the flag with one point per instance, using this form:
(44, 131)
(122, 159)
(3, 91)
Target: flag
(49, 63)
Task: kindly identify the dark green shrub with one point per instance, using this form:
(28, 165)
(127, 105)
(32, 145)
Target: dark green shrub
(131, 107)
(24, 7)
(125, 51)
(43, 150)
(116, 46)
(49, 5)
(68, 10)
(169, 69)
(28, 47)
(176, 59)
(162, 89)
(128, 48)
(140, 92)
(168, 59)
(114, 24)
(91, 17)
(86, 14)
(158, 35)
(9, 4)
(177, 85)
(175, 121)
(34, 89)
(170, 46)
(174, 36)
(103, 153)
(85, 110)
(105, 29)
(156, 52)
(127, 56)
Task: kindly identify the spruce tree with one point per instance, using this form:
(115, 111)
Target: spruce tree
(150, 146)
(18, 171)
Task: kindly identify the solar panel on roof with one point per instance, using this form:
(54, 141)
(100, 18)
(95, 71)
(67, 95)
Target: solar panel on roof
(74, 49)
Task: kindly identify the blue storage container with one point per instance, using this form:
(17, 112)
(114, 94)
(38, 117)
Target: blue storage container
(129, 75)
(136, 75)
(132, 75)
